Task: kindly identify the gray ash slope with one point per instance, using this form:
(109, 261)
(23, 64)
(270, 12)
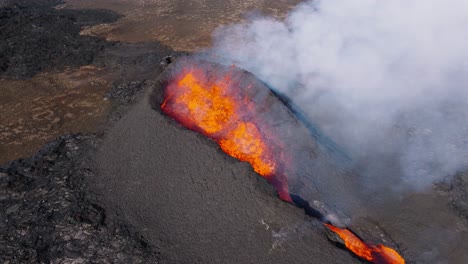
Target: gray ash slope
(198, 205)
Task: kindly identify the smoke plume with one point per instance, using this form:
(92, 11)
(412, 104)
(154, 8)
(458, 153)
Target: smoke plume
(387, 80)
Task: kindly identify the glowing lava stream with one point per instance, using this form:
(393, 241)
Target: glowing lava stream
(373, 253)
(223, 112)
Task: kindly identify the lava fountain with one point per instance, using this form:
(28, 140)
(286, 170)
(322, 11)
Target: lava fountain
(214, 106)
(223, 106)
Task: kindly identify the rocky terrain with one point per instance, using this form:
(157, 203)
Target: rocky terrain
(53, 81)
(92, 173)
(49, 215)
(182, 25)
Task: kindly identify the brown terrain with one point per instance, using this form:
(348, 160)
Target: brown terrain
(133, 186)
(182, 25)
(36, 110)
(48, 105)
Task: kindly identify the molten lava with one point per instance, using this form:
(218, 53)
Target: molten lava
(245, 143)
(372, 253)
(217, 108)
(214, 103)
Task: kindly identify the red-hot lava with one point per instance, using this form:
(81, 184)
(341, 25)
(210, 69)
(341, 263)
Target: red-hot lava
(372, 253)
(213, 104)
(216, 107)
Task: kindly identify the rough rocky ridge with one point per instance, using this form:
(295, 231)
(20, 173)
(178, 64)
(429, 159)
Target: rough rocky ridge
(50, 215)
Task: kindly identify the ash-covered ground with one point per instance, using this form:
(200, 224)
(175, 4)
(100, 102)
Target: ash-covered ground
(136, 187)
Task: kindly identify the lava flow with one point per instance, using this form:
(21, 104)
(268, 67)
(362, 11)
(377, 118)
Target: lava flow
(216, 107)
(372, 253)
(216, 104)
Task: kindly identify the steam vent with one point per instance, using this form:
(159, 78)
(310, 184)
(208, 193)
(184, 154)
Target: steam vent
(233, 132)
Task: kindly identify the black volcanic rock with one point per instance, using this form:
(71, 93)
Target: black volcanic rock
(459, 193)
(30, 3)
(35, 36)
(51, 217)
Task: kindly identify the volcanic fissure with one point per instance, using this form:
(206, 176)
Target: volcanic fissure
(221, 104)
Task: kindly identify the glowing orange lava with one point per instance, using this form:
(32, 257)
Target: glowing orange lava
(372, 253)
(219, 109)
(245, 143)
(208, 108)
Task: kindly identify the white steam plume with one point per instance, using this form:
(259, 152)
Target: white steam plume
(388, 80)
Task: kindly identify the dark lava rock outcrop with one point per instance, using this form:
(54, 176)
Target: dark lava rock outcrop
(459, 193)
(50, 216)
(34, 36)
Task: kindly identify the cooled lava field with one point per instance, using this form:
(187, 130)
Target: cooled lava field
(105, 158)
